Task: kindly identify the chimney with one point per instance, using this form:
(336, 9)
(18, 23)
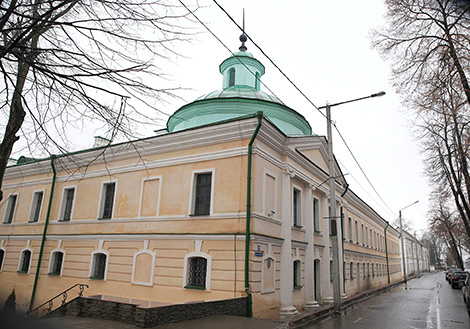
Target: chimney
(101, 141)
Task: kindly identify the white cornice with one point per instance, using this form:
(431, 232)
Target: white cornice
(127, 237)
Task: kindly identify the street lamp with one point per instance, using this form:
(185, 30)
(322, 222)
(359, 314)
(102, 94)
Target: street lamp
(402, 241)
(333, 225)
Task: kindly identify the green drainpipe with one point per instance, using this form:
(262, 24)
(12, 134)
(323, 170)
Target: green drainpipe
(259, 115)
(386, 251)
(46, 223)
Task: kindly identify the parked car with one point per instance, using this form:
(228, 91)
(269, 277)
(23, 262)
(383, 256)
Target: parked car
(449, 272)
(466, 293)
(457, 279)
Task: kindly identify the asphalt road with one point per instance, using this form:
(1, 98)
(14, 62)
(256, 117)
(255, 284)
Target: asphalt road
(429, 302)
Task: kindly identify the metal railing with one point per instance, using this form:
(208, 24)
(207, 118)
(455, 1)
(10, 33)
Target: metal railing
(50, 303)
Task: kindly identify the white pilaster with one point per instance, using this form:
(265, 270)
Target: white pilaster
(326, 282)
(310, 301)
(287, 283)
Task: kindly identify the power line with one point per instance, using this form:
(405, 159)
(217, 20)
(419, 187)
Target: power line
(290, 81)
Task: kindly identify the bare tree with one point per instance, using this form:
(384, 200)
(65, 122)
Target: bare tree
(428, 43)
(67, 64)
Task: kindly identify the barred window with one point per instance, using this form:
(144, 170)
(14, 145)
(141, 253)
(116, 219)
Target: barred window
(25, 261)
(98, 268)
(297, 274)
(55, 267)
(197, 270)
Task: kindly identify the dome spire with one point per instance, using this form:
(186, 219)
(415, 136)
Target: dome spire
(243, 37)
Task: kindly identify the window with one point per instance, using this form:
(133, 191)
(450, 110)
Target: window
(367, 236)
(25, 261)
(55, 265)
(343, 227)
(196, 273)
(67, 204)
(10, 211)
(202, 196)
(371, 239)
(357, 232)
(364, 270)
(2, 258)
(363, 237)
(316, 215)
(368, 270)
(297, 274)
(36, 206)
(257, 81)
(98, 267)
(331, 271)
(373, 274)
(297, 208)
(231, 78)
(107, 200)
(351, 270)
(350, 229)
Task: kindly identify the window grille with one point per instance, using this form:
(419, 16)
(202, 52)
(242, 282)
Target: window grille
(10, 209)
(197, 270)
(202, 200)
(25, 260)
(56, 263)
(99, 266)
(297, 274)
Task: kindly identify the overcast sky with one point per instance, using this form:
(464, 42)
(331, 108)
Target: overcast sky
(324, 48)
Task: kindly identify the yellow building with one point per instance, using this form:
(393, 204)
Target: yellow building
(228, 201)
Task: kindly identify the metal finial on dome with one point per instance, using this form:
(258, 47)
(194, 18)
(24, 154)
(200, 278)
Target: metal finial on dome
(243, 37)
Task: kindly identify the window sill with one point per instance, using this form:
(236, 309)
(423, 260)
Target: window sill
(197, 215)
(96, 278)
(63, 220)
(53, 274)
(103, 218)
(195, 287)
(22, 272)
(297, 287)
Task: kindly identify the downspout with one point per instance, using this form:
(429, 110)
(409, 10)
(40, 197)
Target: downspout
(342, 238)
(44, 232)
(386, 251)
(259, 115)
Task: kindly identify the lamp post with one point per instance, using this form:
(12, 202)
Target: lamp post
(331, 168)
(402, 241)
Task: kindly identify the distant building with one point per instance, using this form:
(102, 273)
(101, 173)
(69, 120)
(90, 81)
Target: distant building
(416, 255)
(168, 218)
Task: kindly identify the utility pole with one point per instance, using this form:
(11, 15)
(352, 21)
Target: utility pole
(333, 218)
(402, 241)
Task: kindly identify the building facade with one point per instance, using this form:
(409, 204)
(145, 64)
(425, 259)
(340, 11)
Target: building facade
(230, 200)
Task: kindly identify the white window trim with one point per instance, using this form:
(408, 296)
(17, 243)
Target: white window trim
(153, 255)
(263, 289)
(31, 210)
(63, 202)
(21, 260)
(14, 209)
(159, 193)
(208, 270)
(102, 194)
(297, 187)
(268, 212)
(63, 260)
(99, 251)
(4, 257)
(192, 193)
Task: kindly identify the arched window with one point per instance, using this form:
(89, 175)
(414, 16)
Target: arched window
(56, 263)
(231, 77)
(297, 274)
(98, 266)
(25, 261)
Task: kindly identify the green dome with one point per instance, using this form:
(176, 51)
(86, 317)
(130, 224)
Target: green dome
(240, 96)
